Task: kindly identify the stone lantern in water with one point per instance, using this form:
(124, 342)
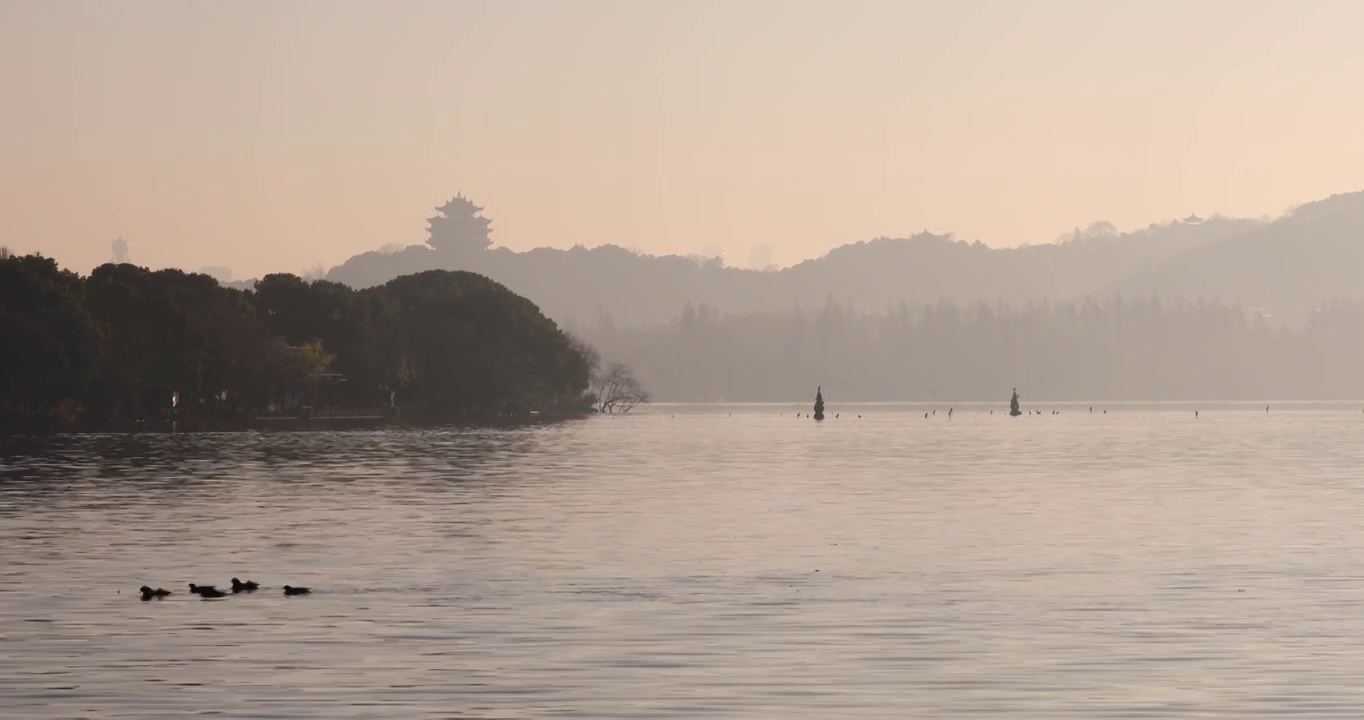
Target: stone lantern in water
(819, 403)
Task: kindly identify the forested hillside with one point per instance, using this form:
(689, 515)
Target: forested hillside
(126, 344)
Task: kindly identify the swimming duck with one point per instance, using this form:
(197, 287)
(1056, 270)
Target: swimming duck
(248, 586)
(288, 590)
(209, 592)
(201, 589)
(148, 593)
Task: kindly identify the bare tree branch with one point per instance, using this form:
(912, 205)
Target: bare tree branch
(618, 389)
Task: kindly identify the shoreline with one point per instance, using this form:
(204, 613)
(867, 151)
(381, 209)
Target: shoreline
(263, 424)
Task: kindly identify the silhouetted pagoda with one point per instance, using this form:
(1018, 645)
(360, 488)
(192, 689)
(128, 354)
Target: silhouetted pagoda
(459, 227)
(819, 403)
(1013, 405)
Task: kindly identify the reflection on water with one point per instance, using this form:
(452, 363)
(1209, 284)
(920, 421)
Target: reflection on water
(690, 563)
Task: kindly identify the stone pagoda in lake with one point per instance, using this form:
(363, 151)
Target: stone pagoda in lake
(1013, 405)
(819, 403)
(459, 227)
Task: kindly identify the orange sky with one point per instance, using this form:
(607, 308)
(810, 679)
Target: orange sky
(270, 136)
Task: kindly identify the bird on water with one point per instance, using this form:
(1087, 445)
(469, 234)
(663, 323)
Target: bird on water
(290, 590)
(248, 586)
(148, 593)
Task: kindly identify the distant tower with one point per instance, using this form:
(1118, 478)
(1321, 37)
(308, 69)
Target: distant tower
(120, 251)
(459, 227)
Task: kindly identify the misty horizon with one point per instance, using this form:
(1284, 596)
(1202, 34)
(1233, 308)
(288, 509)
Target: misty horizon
(124, 247)
(228, 272)
(267, 137)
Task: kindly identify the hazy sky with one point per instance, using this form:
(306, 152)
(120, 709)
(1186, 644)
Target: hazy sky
(276, 135)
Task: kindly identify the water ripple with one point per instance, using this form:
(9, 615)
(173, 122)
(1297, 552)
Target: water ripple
(687, 563)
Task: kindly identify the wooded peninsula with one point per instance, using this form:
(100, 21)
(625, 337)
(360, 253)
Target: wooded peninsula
(126, 346)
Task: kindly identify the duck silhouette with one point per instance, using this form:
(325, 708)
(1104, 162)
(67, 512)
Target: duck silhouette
(148, 593)
(248, 586)
(208, 593)
(290, 590)
(201, 589)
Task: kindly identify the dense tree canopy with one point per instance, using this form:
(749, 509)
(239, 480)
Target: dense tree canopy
(50, 347)
(127, 343)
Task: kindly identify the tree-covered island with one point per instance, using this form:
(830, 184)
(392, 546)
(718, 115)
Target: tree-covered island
(126, 346)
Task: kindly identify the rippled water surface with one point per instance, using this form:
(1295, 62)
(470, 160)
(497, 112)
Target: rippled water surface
(690, 562)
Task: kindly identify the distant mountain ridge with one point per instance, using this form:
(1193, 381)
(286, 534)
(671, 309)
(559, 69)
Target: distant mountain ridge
(1312, 255)
(1287, 266)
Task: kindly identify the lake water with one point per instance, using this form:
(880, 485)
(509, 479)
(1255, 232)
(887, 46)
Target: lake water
(716, 562)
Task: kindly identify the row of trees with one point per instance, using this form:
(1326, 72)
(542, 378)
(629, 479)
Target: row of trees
(125, 343)
(1100, 348)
